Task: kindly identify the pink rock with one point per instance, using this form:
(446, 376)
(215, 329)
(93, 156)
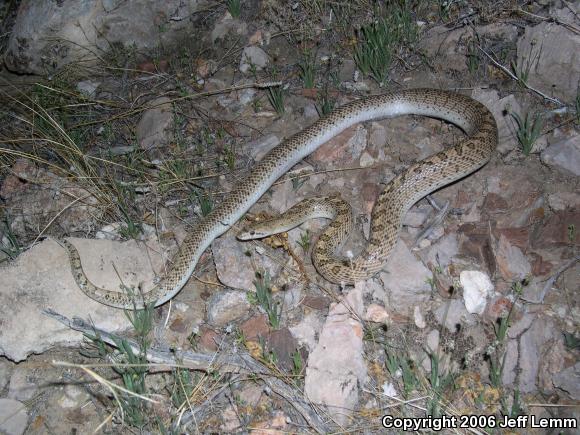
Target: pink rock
(376, 313)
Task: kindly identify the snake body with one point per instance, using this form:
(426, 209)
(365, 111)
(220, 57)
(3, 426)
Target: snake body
(403, 191)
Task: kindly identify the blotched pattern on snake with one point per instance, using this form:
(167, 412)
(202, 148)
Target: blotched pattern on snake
(399, 195)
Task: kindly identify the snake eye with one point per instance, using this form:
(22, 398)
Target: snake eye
(252, 233)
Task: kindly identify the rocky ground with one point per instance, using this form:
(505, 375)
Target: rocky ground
(476, 312)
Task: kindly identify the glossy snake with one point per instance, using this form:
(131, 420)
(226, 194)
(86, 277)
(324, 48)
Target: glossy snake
(399, 195)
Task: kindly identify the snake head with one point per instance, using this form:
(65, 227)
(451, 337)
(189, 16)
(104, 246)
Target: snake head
(248, 234)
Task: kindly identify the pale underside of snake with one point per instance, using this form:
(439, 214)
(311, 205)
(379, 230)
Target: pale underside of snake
(399, 195)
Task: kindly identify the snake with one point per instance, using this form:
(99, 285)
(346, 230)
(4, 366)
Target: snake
(404, 190)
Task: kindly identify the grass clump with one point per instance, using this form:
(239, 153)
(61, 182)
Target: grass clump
(276, 99)
(497, 352)
(528, 131)
(305, 240)
(263, 298)
(131, 366)
(522, 71)
(8, 243)
(234, 7)
(307, 69)
(400, 366)
(380, 40)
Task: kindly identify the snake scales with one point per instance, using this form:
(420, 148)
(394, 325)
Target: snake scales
(400, 194)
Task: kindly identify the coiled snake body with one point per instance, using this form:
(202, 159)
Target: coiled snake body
(399, 195)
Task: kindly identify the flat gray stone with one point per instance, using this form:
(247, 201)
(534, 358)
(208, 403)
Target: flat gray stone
(13, 417)
(235, 268)
(48, 34)
(227, 306)
(564, 155)
(569, 381)
(41, 278)
(406, 280)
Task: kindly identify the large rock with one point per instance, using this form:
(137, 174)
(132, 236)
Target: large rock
(406, 279)
(564, 155)
(13, 417)
(49, 34)
(336, 367)
(41, 278)
(235, 268)
(30, 205)
(550, 52)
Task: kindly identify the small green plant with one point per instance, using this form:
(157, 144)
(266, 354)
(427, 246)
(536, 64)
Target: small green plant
(12, 249)
(577, 106)
(297, 363)
(571, 233)
(131, 229)
(326, 104)
(183, 386)
(522, 71)
(516, 408)
(373, 54)
(571, 341)
(304, 241)
(473, 59)
(234, 7)
(205, 202)
(131, 366)
(379, 40)
(308, 70)
(528, 131)
(229, 158)
(257, 105)
(439, 383)
(263, 297)
(400, 365)
(276, 98)
(497, 351)
(268, 355)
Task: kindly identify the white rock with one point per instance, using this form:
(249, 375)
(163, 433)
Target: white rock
(389, 390)
(477, 287)
(418, 317)
(366, 160)
(433, 340)
(13, 417)
(109, 232)
(336, 367)
(307, 330)
(88, 87)
(41, 278)
(253, 57)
